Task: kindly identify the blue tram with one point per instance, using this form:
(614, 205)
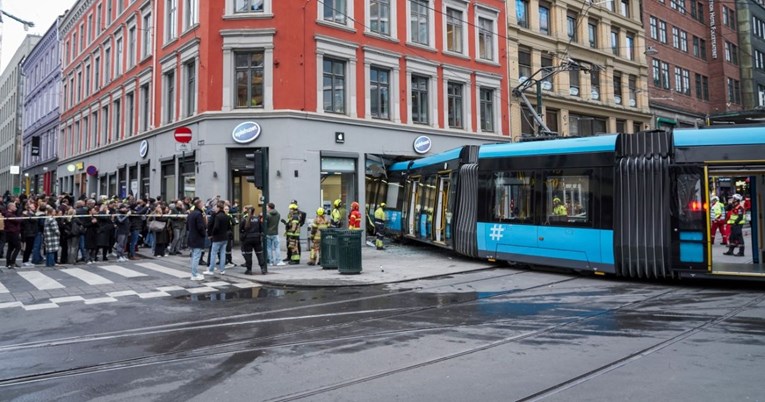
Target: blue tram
(632, 205)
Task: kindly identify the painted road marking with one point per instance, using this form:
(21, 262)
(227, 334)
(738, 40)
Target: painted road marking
(218, 284)
(87, 277)
(151, 295)
(40, 306)
(201, 289)
(40, 281)
(3, 289)
(11, 304)
(100, 300)
(168, 271)
(116, 269)
(122, 293)
(66, 299)
(170, 288)
(246, 285)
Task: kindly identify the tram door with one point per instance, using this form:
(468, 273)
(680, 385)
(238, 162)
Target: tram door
(410, 208)
(442, 208)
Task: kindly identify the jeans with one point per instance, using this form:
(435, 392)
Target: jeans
(83, 250)
(272, 248)
(14, 246)
(50, 259)
(134, 234)
(175, 246)
(195, 254)
(121, 240)
(219, 251)
(36, 249)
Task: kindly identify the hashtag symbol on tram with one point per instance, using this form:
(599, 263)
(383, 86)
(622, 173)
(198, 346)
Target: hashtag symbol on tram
(496, 232)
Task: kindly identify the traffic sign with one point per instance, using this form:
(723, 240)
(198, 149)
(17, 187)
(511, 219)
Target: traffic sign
(183, 134)
(15, 169)
(182, 147)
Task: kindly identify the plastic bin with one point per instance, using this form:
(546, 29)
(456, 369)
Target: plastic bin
(328, 248)
(349, 252)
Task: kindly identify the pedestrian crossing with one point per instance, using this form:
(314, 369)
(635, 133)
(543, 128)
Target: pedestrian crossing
(99, 282)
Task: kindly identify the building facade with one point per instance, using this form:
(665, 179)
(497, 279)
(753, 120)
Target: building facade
(326, 88)
(751, 37)
(595, 54)
(41, 72)
(695, 69)
(11, 115)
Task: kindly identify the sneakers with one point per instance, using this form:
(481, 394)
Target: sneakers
(230, 265)
(280, 263)
(198, 277)
(122, 259)
(206, 272)
(27, 264)
(222, 272)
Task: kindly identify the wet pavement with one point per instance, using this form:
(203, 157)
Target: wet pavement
(493, 334)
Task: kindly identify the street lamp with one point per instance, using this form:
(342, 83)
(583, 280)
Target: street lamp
(651, 51)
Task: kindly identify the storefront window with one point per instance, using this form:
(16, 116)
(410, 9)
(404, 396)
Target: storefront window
(168, 180)
(133, 187)
(338, 180)
(145, 180)
(122, 193)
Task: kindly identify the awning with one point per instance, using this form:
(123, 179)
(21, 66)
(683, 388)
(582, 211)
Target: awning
(667, 121)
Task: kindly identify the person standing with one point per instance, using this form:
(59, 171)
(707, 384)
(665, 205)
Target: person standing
(336, 219)
(736, 223)
(176, 224)
(319, 223)
(272, 236)
(196, 226)
(73, 239)
(51, 237)
(162, 236)
(12, 234)
(105, 232)
(717, 217)
(217, 229)
(354, 218)
(251, 232)
(91, 235)
(29, 232)
(293, 234)
(232, 222)
(122, 220)
(380, 226)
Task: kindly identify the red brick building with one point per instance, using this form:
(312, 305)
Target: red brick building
(695, 67)
(325, 86)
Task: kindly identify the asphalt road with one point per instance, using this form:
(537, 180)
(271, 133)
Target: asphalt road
(500, 335)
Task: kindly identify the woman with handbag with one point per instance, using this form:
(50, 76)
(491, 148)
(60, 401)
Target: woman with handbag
(158, 225)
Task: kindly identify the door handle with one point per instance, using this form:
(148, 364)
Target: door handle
(541, 238)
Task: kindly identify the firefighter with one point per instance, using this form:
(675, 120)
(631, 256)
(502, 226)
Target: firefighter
(319, 223)
(736, 223)
(293, 234)
(558, 208)
(380, 226)
(717, 217)
(354, 218)
(337, 215)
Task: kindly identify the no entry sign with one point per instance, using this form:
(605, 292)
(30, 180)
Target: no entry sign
(182, 135)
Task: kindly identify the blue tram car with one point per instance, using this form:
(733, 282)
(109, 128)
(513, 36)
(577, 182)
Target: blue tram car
(631, 205)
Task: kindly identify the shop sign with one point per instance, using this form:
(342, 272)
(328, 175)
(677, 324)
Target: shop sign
(246, 132)
(91, 171)
(143, 150)
(712, 28)
(422, 144)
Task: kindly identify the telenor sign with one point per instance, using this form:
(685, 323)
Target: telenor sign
(143, 149)
(422, 144)
(246, 132)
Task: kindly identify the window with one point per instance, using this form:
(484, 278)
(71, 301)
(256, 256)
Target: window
(249, 79)
(573, 78)
(544, 18)
(618, 88)
(117, 120)
(379, 16)
(624, 8)
(571, 26)
(75, 52)
(334, 85)
(99, 19)
(131, 46)
(547, 67)
(109, 5)
(678, 5)
(697, 11)
(594, 84)
(585, 125)
(630, 46)
(95, 141)
(675, 37)
(684, 41)
(759, 60)
(567, 199)
(145, 107)
(129, 113)
(522, 13)
(96, 72)
(620, 126)
(731, 53)
(120, 6)
(420, 22)
(760, 95)
(665, 75)
(190, 13)
(662, 32)
(118, 57)
(90, 28)
(169, 81)
(454, 30)
(678, 80)
(379, 91)
(485, 38)
(632, 84)
(105, 139)
(592, 33)
(524, 62)
(82, 37)
(87, 80)
(146, 34)
(79, 86)
(190, 71)
(654, 30)
(420, 96)
(248, 6)
(703, 49)
(513, 197)
(615, 41)
(335, 11)
(702, 87)
(454, 95)
(171, 19)
(486, 96)
(551, 119)
(729, 18)
(734, 91)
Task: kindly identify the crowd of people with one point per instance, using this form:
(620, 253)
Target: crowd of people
(59, 230)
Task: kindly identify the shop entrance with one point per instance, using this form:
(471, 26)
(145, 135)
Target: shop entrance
(242, 191)
(338, 181)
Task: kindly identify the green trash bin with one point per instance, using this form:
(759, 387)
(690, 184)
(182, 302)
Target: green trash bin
(349, 252)
(328, 248)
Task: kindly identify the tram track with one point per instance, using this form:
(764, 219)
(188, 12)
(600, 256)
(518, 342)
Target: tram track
(216, 350)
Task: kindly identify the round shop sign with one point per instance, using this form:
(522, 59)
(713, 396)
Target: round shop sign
(143, 150)
(246, 132)
(422, 144)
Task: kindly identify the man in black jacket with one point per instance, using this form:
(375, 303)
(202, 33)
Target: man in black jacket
(217, 229)
(137, 219)
(196, 226)
(252, 238)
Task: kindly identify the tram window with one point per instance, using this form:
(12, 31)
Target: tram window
(567, 199)
(689, 198)
(513, 193)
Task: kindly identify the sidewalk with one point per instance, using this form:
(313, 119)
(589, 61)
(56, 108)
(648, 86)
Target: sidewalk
(397, 263)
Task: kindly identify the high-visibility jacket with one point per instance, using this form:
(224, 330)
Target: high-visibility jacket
(337, 218)
(717, 211)
(737, 216)
(319, 224)
(560, 210)
(354, 220)
(379, 215)
(293, 226)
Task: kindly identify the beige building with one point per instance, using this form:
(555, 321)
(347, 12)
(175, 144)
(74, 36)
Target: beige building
(598, 51)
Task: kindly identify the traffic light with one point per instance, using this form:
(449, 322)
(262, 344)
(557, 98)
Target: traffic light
(254, 171)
